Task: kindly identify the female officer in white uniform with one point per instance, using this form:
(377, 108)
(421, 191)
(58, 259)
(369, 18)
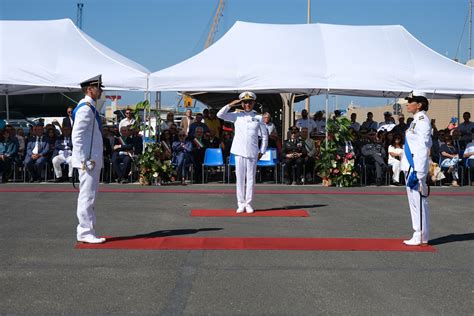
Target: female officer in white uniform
(415, 163)
(248, 126)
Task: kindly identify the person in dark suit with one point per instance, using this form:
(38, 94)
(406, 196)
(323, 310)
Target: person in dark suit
(67, 121)
(293, 154)
(36, 154)
(123, 155)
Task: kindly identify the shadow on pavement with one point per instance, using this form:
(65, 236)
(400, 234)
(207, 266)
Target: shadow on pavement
(164, 233)
(452, 238)
(292, 207)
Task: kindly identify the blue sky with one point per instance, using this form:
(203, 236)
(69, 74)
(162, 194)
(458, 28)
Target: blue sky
(160, 33)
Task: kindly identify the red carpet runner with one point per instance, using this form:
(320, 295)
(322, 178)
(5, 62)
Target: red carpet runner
(255, 243)
(257, 213)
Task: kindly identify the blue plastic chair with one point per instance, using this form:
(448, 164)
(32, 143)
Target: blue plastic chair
(268, 160)
(230, 164)
(213, 158)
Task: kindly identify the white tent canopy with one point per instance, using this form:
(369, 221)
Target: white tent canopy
(54, 55)
(314, 58)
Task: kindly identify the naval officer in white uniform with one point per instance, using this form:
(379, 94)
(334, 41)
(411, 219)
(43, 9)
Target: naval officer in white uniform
(87, 157)
(248, 126)
(417, 145)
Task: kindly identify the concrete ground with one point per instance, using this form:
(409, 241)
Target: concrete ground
(42, 273)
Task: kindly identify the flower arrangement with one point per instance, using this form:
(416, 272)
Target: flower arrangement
(152, 168)
(342, 171)
(336, 168)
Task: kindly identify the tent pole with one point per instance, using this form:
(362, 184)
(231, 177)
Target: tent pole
(327, 115)
(158, 121)
(7, 106)
(459, 109)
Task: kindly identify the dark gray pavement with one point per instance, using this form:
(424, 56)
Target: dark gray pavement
(42, 273)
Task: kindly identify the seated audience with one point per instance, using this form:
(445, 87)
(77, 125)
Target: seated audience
(310, 158)
(293, 155)
(466, 128)
(226, 143)
(272, 131)
(20, 135)
(375, 152)
(197, 123)
(305, 121)
(395, 153)
(210, 140)
(182, 155)
(198, 152)
(369, 123)
(123, 155)
(62, 154)
(354, 125)
(127, 120)
(449, 156)
(7, 153)
(166, 145)
(320, 123)
(469, 155)
(36, 154)
(51, 136)
(213, 123)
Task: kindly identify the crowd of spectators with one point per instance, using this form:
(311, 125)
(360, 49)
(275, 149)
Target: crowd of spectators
(45, 153)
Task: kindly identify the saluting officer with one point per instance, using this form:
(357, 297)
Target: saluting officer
(248, 126)
(87, 157)
(414, 163)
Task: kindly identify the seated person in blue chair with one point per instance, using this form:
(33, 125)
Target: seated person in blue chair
(36, 153)
(293, 155)
(182, 155)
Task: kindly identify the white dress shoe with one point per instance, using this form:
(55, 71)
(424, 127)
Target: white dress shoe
(415, 242)
(241, 209)
(249, 209)
(91, 240)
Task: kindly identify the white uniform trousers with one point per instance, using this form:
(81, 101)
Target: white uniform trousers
(414, 202)
(245, 169)
(395, 169)
(88, 188)
(57, 161)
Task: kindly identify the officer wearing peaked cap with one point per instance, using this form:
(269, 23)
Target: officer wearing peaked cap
(87, 157)
(414, 163)
(248, 126)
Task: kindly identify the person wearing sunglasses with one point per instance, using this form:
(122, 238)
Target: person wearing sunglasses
(128, 120)
(248, 126)
(67, 121)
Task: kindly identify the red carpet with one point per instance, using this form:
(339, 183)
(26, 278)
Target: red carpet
(257, 213)
(255, 243)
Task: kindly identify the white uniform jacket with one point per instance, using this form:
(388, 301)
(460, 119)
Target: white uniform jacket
(248, 126)
(82, 136)
(418, 137)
